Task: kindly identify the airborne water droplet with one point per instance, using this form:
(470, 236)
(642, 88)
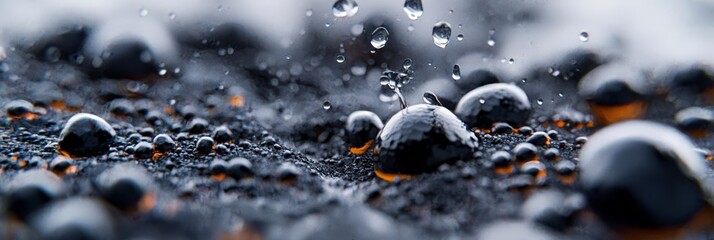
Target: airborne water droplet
(308, 13)
(456, 73)
(584, 36)
(345, 8)
(481, 100)
(407, 64)
(143, 12)
(491, 42)
(460, 37)
(379, 37)
(340, 59)
(441, 34)
(540, 101)
(431, 98)
(413, 8)
(172, 15)
(326, 105)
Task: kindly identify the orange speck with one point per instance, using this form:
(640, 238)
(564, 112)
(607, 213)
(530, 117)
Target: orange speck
(389, 177)
(157, 155)
(236, 101)
(218, 177)
(361, 150)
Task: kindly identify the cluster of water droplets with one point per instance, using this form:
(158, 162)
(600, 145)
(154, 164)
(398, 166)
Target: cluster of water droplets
(392, 81)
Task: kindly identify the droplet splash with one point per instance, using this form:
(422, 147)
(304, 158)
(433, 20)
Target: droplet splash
(345, 8)
(456, 73)
(413, 8)
(380, 36)
(441, 34)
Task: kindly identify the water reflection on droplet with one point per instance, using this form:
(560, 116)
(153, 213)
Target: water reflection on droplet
(413, 8)
(380, 36)
(584, 36)
(456, 73)
(441, 34)
(345, 8)
(340, 59)
(326, 105)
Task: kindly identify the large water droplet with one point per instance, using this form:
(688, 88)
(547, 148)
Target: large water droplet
(456, 73)
(345, 8)
(379, 37)
(413, 8)
(584, 36)
(326, 105)
(441, 34)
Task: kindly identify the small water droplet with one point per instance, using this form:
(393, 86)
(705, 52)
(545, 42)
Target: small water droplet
(460, 37)
(327, 25)
(524, 80)
(456, 73)
(511, 61)
(172, 15)
(481, 100)
(451, 11)
(357, 29)
(561, 94)
(340, 59)
(540, 101)
(431, 98)
(407, 64)
(380, 36)
(326, 105)
(413, 8)
(410, 28)
(441, 34)
(162, 72)
(345, 8)
(143, 12)
(555, 73)
(491, 42)
(584, 36)
(308, 12)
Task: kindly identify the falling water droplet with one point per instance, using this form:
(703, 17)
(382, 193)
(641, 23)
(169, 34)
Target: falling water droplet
(143, 12)
(379, 37)
(491, 42)
(345, 8)
(584, 36)
(481, 100)
(308, 13)
(511, 61)
(340, 59)
(441, 33)
(326, 105)
(540, 101)
(413, 8)
(460, 37)
(172, 15)
(456, 73)
(357, 29)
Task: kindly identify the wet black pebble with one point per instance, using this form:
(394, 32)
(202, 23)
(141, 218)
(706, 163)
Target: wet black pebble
(489, 104)
(239, 168)
(86, 135)
(197, 125)
(163, 143)
(18, 108)
(361, 130)
(124, 186)
(222, 134)
(143, 150)
(32, 190)
(540, 139)
(204, 145)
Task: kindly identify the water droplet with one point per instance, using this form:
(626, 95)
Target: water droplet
(456, 73)
(441, 34)
(555, 73)
(451, 11)
(379, 37)
(357, 29)
(345, 8)
(327, 25)
(511, 61)
(407, 64)
(584, 36)
(481, 100)
(524, 80)
(540, 101)
(308, 12)
(410, 27)
(560, 94)
(326, 105)
(431, 98)
(143, 12)
(172, 15)
(413, 8)
(491, 42)
(460, 37)
(491, 31)
(162, 72)
(340, 59)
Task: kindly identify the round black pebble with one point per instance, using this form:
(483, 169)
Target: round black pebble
(540, 139)
(124, 185)
(86, 135)
(197, 125)
(422, 137)
(492, 103)
(524, 152)
(32, 190)
(361, 130)
(204, 145)
(222, 134)
(18, 108)
(163, 143)
(238, 168)
(143, 150)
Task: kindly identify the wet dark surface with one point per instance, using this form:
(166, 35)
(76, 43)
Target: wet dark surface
(219, 135)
